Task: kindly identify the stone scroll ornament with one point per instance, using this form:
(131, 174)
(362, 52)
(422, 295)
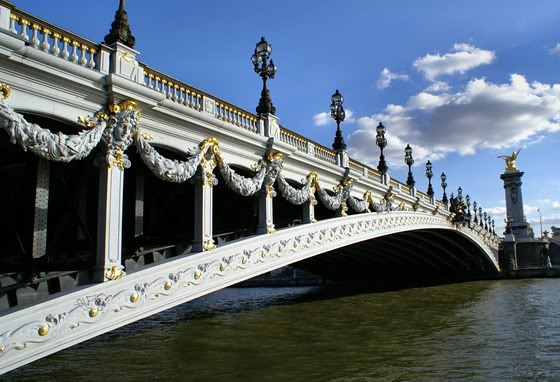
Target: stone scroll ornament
(42, 142)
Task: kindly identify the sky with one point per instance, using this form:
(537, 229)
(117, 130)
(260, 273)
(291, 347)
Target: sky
(461, 82)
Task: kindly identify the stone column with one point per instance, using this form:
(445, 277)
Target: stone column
(514, 202)
(309, 210)
(203, 210)
(266, 218)
(510, 252)
(109, 224)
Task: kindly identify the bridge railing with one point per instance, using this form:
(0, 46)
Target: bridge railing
(52, 39)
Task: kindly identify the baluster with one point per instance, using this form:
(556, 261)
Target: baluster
(55, 50)
(157, 84)
(175, 91)
(91, 62)
(65, 52)
(199, 102)
(169, 92)
(188, 98)
(35, 39)
(150, 80)
(222, 113)
(13, 19)
(83, 60)
(24, 25)
(74, 56)
(45, 46)
(182, 95)
(164, 86)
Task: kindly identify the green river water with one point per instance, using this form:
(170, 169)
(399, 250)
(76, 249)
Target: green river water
(477, 331)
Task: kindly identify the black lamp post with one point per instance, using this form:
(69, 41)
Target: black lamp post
(266, 70)
(475, 217)
(409, 162)
(382, 143)
(338, 114)
(468, 200)
(429, 175)
(460, 194)
(444, 186)
(480, 216)
(493, 227)
(485, 221)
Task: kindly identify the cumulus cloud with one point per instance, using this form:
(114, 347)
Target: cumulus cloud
(324, 119)
(556, 205)
(555, 50)
(483, 115)
(463, 58)
(386, 77)
(438, 87)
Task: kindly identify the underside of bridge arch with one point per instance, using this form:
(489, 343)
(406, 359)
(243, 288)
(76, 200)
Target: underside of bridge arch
(404, 259)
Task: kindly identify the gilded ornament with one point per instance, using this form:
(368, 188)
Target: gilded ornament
(435, 212)
(134, 297)
(93, 312)
(211, 142)
(43, 331)
(124, 105)
(416, 205)
(87, 122)
(222, 267)
(244, 260)
(208, 245)
(114, 273)
(269, 191)
(147, 136)
(118, 160)
(5, 91)
(270, 228)
(167, 285)
(510, 160)
(197, 275)
(401, 206)
(275, 156)
(2, 348)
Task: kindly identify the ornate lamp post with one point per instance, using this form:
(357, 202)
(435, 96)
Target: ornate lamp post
(468, 200)
(475, 217)
(381, 141)
(480, 216)
(429, 175)
(409, 162)
(266, 70)
(338, 114)
(493, 227)
(444, 186)
(460, 194)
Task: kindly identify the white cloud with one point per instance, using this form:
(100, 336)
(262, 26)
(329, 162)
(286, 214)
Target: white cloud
(438, 87)
(463, 58)
(555, 50)
(483, 115)
(556, 205)
(386, 77)
(324, 119)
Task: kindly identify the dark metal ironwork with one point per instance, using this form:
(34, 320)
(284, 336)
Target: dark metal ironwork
(381, 142)
(409, 160)
(493, 227)
(120, 29)
(338, 114)
(444, 199)
(480, 216)
(429, 175)
(469, 216)
(460, 193)
(475, 217)
(266, 70)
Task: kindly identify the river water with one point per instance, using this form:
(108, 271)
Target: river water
(475, 331)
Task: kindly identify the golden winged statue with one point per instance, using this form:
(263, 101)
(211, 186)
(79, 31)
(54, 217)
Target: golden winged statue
(510, 160)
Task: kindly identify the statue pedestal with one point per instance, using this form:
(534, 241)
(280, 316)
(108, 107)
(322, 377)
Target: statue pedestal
(514, 203)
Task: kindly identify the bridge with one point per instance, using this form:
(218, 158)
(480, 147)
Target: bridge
(126, 192)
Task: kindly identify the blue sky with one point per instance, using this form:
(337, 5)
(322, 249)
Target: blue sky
(462, 82)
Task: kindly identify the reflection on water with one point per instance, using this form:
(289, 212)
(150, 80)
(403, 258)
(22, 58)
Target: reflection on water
(478, 331)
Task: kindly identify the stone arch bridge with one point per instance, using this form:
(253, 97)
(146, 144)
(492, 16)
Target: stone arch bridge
(126, 192)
